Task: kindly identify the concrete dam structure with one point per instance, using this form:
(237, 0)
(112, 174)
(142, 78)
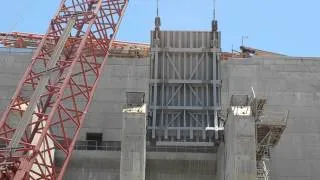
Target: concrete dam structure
(186, 113)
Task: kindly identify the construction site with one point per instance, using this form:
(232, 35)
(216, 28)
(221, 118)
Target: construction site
(78, 104)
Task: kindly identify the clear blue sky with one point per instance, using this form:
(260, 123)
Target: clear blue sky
(287, 26)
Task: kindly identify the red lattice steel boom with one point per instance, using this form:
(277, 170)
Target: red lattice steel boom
(68, 86)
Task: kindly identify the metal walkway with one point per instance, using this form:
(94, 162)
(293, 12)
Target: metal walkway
(270, 125)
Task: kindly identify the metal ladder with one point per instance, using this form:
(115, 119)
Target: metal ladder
(263, 171)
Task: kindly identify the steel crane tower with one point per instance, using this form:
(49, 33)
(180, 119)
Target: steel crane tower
(49, 105)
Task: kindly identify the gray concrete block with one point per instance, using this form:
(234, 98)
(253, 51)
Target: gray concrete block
(6, 92)
(133, 147)
(112, 134)
(94, 165)
(221, 162)
(291, 167)
(303, 125)
(314, 167)
(241, 83)
(289, 147)
(240, 148)
(244, 71)
(105, 120)
(180, 170)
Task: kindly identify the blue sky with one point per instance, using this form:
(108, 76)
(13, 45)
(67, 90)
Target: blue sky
(287, 26)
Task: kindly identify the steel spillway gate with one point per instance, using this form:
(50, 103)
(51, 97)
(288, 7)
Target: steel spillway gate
(184, 88)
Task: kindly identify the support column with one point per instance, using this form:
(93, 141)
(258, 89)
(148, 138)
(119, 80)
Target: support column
(221, 162)
(133, 146)
(240, 147)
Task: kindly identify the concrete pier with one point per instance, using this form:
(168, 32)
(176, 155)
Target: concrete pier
(240, 149)
(133, 146)
(221, 162)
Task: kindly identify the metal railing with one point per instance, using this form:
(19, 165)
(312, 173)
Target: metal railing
(97, 146)
(273, 117)
(182, 149)
(116, 146)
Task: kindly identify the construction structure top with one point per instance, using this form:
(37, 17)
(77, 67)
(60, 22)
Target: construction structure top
(118, 49)
(122, 48)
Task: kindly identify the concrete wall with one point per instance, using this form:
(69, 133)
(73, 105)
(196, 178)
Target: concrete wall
(97, 165)
(93, 165)
(105, 115)
(133, 146)
(181, 170)
(240, 150)
(12, 66)
(121, 75)
(221, 158)
(288, 83)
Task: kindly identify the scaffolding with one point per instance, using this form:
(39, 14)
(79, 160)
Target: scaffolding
(270, 125)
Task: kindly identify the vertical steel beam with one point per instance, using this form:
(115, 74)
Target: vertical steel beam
(163, 93)
(155, 95)
(215, 46)
(215, 95)
(156, 45)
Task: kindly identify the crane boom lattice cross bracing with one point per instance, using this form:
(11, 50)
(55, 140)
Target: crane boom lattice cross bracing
(61, 106)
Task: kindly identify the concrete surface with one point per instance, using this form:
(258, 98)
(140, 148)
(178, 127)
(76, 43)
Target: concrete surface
(240, 149)
(221, 162)
(288, 83)
(105, 115)
(12, 66)
(97, 165)
(181, 170)
(133, 146)
(293, 84)
(93, 165)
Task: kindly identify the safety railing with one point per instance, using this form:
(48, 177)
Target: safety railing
(98, 146)
(182, 149)
(116, 146)
(273, 117)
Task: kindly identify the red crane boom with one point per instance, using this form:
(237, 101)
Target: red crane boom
(50, 103)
